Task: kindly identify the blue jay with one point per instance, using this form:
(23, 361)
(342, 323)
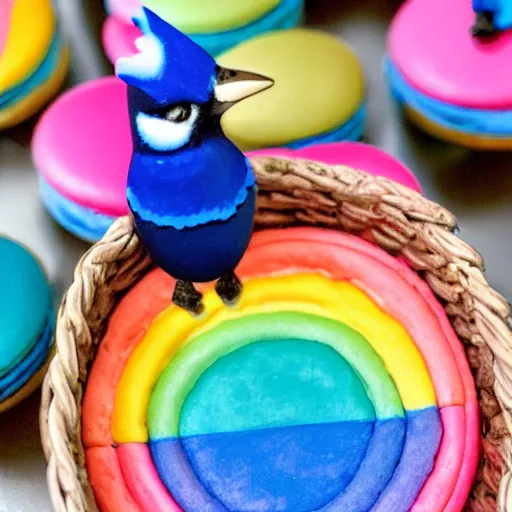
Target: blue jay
(190, 190)
(491, 17)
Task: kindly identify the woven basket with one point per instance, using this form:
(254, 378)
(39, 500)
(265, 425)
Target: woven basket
(290, 193)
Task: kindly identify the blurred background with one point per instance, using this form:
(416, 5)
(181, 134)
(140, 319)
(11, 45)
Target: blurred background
(476, 187)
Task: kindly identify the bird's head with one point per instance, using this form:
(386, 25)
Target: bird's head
(176, 91)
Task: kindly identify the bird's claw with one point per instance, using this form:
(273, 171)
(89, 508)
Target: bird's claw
(187, 297)
(229, 288)
(484, 25)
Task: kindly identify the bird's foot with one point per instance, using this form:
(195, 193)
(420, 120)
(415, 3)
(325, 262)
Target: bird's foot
(484, 25)
(229, 288)
(187, 297)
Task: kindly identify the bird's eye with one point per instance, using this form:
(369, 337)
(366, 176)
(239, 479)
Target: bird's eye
(179, 114)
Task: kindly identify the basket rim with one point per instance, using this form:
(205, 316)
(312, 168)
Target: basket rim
(291, 192)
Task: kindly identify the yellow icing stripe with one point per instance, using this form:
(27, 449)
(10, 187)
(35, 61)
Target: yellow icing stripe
(34, 102)
(303, 293)
(31, 30)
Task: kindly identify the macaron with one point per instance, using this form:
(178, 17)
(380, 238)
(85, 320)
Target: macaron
(318, 95)
(32, 69)
(216, 26)
(26, 323)
(357, 155)
(453, 85)
(81, 149)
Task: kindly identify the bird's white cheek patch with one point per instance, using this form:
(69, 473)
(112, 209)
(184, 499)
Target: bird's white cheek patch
(162, 135)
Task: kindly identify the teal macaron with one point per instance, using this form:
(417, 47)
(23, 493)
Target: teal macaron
(27, 322)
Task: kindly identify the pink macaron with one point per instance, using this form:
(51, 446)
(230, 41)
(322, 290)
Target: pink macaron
(453, 85)
(82, 149)
(357, 155)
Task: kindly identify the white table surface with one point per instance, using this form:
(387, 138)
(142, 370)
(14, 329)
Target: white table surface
(476, 187)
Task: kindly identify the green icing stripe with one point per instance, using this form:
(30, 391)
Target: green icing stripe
(275, 384)
(182, 373)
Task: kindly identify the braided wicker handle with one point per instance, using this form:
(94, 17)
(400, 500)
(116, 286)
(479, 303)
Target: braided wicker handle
(298, 192)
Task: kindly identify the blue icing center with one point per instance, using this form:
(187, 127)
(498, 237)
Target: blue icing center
(496, 123)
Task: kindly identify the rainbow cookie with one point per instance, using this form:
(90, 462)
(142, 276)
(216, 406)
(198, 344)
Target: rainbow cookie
(32, 69)
(216, 26)
(326, 78)
(82, 148)
(463, 95)
(26, 323)
(337, 383)
(356, 155)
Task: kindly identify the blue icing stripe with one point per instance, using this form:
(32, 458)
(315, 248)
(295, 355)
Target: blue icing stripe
(21, 374)
(497, 123)
(352, 130)
(78, 220)
(424, 432)
(288, 469)
(376, 469)
(288, 14)
(39, 77)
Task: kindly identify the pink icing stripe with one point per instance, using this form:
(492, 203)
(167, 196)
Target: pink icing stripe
(142, 479)
(118, 38)
(357, 155)
(471, 458)
(5, 18)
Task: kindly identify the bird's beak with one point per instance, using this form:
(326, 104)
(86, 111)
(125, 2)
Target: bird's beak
(232, 85)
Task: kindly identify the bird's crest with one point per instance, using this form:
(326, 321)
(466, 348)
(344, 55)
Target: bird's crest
(170, 67)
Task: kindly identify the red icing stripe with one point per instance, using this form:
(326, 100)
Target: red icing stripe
(107, 481)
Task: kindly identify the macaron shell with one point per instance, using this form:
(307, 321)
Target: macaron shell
(357, 155)
(469, 140)
(5, 18)
(206, 17)
(118, 38)
(38, 98)
(472, 73)
(124, 10)
(31, 28)
(82, 145)
(31, 386)
(318, 86)
(25, 302)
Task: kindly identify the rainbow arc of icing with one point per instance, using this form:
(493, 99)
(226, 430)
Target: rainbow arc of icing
(192, 413)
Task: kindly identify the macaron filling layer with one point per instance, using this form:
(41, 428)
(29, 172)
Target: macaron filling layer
(39, 77)
(287, 14)
(495, 123)
(83, 222)
(16, 378)
(351, 130)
